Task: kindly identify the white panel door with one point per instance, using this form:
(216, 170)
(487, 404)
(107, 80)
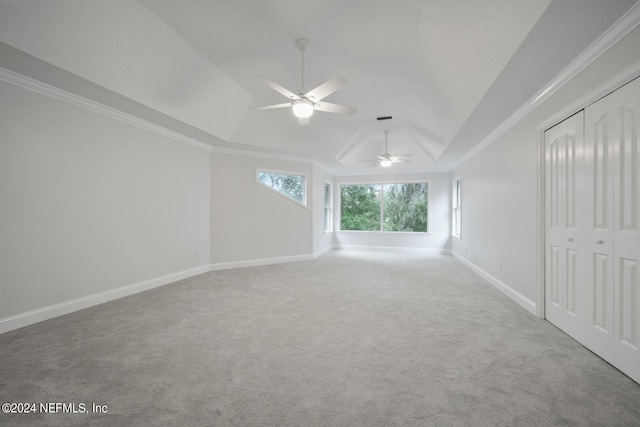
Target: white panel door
(592, 236)
(612, 127)
(564, 176)
(626, 104)
(600, 123)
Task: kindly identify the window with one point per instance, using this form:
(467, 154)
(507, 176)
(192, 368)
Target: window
(400, 207)
(456, 225)
(328, 222)
(360, 207)
(292, 186)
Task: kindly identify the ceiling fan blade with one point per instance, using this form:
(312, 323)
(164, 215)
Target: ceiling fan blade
(275, 86)
(334, 108)
(400, 161)
(303, 121)
(272, 107)
(325, 89)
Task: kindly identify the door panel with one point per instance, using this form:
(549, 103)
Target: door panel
(600, 127)
(612, 152)
(628, 295)
(600, 311)
(626, 104)
(571, 260)
(628, 170)
(564, 169)
(598, 145)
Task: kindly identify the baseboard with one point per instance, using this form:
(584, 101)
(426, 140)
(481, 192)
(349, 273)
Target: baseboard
(29, 318)
(259, 262)
(394, 249)
(323, 251)
(523, 301)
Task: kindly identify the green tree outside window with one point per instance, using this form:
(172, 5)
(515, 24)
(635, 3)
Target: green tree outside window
(399, 207)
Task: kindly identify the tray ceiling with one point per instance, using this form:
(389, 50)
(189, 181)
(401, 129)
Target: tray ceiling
(448, 71)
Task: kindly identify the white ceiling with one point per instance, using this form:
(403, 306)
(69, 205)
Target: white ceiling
(448, 71)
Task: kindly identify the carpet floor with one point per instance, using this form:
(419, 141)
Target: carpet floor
(349, 339)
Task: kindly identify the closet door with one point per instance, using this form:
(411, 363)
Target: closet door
(626, 230)
(563, 275)
(613, 157)
(600, 124)
(627, 233)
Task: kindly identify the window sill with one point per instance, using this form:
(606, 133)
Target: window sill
(423, 233)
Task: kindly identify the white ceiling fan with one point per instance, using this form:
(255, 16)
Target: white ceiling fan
(304, 103)
(387, 159)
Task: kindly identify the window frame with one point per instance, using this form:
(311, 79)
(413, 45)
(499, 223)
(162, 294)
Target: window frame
(382, 183)
(456, 207)
(305, 192)
(328, 208)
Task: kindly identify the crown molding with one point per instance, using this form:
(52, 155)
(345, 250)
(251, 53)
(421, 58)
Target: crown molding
(623, 26)
(622, 78)
(96, 107)
(260, 155)
(37, 86)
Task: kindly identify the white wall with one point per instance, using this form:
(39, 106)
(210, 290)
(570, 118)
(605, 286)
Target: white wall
(499, 212)
(439, 238)
(92, 208)
(252, 224)
(500, 186)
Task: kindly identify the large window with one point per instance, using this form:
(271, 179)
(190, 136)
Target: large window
(456, 219)
(292, 186)
(400, 207)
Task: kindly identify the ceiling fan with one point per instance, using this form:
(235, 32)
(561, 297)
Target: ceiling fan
(387, 159)
(304, 103)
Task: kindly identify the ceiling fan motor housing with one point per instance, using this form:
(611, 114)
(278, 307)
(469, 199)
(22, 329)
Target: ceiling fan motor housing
(302, 44)
(302, 108)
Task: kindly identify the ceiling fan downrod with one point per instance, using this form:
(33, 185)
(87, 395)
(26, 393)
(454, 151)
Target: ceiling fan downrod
(303, 45)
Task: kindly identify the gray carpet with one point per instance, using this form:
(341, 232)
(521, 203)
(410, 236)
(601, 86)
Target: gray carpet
(350, 339)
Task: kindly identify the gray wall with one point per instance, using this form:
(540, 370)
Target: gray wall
(91, 204)
(250, 222)
(500, 205)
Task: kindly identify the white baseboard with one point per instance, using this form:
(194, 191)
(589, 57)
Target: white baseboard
(523, 301)
(323, 251)
(432, 251)
(29, 318)
(259, 262)
(45, 313)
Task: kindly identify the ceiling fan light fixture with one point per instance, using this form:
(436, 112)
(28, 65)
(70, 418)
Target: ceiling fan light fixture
(302, 108)
(385, 163)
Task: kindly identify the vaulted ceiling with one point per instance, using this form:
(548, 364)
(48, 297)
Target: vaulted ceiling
(447, 71)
